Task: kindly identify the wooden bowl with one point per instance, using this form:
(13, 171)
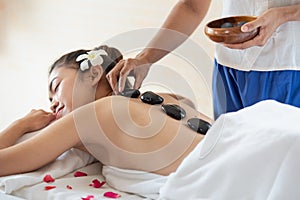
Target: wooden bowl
(228, 30)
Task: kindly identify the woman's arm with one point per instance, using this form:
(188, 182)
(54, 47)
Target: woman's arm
(33, 121)
(179, 25)
(40, 149)
(267, 23)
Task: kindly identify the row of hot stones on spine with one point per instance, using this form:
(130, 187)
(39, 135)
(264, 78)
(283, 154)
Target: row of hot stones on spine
(172, 110)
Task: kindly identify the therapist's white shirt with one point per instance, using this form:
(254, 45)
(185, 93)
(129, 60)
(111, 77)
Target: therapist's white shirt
(281, 52)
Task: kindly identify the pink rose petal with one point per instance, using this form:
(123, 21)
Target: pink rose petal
(48, 179)
(97, 183)
(88, 197)
(111, 195)
(79, 174)
(49, 187)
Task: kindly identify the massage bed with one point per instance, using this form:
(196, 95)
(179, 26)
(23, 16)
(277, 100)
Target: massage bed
(249, 154)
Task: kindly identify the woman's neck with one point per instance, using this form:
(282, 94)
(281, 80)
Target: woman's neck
(103, 89)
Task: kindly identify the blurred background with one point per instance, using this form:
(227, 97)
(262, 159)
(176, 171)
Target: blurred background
(33, 33)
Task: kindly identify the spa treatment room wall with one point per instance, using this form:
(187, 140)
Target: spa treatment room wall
(34, 33)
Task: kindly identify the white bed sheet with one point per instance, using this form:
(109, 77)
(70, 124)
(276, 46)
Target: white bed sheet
(80, 187)
(9, 197)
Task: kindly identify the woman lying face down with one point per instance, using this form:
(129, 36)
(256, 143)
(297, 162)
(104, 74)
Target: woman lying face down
(119, 131)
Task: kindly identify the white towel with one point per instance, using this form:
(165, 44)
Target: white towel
(138, 182)
(64, 164)
(249, 154)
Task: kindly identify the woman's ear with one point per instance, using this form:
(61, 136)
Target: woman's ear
(95, 74)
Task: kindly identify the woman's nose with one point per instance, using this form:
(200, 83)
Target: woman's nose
(54, 106)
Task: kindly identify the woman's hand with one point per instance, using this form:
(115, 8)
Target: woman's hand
(33, 121)
(36, 119)
(117, 76)
(267, 24)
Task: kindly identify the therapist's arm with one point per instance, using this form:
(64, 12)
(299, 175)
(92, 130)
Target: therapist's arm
(183, 20)
(179, 25)
(291, 13)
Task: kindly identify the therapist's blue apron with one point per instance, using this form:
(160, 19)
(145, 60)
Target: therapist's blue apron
(234, 89)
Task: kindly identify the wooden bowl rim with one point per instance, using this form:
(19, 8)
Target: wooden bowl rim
(229, 28)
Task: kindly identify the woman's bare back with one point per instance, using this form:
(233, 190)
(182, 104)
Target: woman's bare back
(133, 135)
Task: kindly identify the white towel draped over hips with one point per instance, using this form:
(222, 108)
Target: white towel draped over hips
(249, 154)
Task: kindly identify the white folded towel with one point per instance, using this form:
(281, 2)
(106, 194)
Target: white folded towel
(138, 182)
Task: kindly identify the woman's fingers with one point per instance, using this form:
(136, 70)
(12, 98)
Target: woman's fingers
(37, 119)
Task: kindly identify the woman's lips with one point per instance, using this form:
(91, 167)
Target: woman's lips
(59, 113)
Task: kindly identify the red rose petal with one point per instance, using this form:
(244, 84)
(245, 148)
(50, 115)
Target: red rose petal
(111, 195)
(79, 173)
(97, 183)
(89, 197)
(69, 187)
(48, 179)
(49, 187)
(102, 183)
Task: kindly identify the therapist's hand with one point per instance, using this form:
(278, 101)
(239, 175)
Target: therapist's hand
(132, 66)
(267, 23)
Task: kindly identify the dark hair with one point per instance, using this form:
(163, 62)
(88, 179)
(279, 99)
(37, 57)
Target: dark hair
(109, 61)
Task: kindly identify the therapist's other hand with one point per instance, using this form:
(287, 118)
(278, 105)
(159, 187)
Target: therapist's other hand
(267, 24)
(139, 68)
(36, 119)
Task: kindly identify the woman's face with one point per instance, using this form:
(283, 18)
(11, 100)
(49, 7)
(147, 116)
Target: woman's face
(69, 88)
(61, 84)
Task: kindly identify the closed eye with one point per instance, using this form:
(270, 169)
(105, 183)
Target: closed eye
(56, 87)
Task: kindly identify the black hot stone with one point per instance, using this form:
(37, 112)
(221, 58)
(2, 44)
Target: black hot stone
(227, 25)
(199, 125)
(174, 111)
(151, 98)
(132, 93)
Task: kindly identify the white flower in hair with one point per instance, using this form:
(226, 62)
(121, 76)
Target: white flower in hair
(91, 58)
